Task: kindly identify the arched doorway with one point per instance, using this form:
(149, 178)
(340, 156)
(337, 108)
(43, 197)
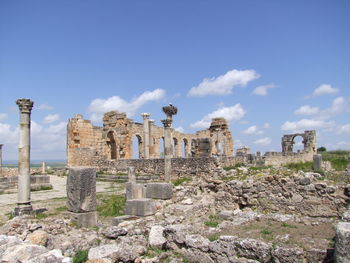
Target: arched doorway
(136, 147)
(184, 148)
(112, 145)
(298, 143)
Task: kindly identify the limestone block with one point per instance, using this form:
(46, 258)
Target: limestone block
(317, 162)
(135, 191)
(156, 238)
(117, 220)
(159, 191)
(81, 189)
(140, 207)
(88, 219)
(342, 243)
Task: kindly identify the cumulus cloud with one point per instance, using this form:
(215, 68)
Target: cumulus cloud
(3, 116)
(252, 130)
(99, 106)
(345, 129)
(45, 106)
(307, 110)
(223, 84)
(232, 113)
(47, 141)
(267, 125)
(305, 124)
(262, 90)
(51, 118)
(263, 141)
(180, 129)
(324, 89)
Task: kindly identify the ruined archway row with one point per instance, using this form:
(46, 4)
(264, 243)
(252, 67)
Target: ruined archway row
(114, 140)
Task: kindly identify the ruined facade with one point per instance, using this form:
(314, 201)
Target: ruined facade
(114, 141)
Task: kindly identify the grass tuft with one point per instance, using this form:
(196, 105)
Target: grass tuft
(181, 180)
(111, 205)
(80, 256)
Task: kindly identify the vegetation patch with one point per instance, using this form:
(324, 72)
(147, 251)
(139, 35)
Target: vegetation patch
(213, 221)
(110, 205)
(42, 188)
(228, 168)
(181, 180)
(339, 159)
(81, 256)
(306, 166)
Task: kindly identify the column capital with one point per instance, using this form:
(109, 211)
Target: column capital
(25, 105)
(145, 115)
(167, 123)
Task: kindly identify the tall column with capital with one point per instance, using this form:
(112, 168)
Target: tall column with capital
(24, 204)
(1, 159)
(151, 141)
(146, 134)
(168, 151)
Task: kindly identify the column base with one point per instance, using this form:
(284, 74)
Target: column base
(23, 209)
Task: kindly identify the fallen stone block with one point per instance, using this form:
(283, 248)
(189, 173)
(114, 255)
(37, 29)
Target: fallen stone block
(117, 220)
(140, 207)
(135, 191)
(159, 191)
(342, 243)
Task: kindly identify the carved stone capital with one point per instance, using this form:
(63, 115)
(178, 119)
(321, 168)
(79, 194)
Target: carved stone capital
(167, 123)
(25, 105)
(145, 115)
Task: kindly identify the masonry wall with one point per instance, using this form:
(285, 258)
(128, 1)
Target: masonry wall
(279, 159)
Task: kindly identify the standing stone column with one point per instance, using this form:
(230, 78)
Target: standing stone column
(146, 134)
(167, 149)
(169, 111)
(24, 205)
(1, 159)
(317, 162)
(151, 142)
(43, 168)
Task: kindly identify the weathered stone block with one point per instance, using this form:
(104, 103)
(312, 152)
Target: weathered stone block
(342, 243)
(159, 191)
(317, 162)
(81, 189)
(88, 219)
(140, 207)
(135, 191)
(118, 219)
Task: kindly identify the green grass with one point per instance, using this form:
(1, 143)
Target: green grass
(266, 231)
(81, 256)
(228, 168)
(339, 159)
(61, 209)
(213, 221)
(259, 168)
(111, 205)
(153, 252)
(42, 188)
(213, 237)
(181, 180)
(306, 167)
(284, 224)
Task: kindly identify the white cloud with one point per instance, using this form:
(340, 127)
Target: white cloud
(339, 105)
(252, 130)
(232, 113)
(45, 106)
(343, 145)
(223, 84)
(51, 118)
(306, 124)
(307, 110)
(99, 106)
(47, 142)
(344, 129)
(262, 90)
(267, 125)
(3, 116)
(325, 89)
(263, 141)
(180, 129)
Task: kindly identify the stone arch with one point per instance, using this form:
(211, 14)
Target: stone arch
(112, 145)
(309, 141)
(185, 151)
(294, 143)
(137, 146)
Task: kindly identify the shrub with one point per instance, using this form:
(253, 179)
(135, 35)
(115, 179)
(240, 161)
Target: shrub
(81, 256)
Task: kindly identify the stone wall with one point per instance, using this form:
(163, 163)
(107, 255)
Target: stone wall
(6, 171)
(114, 141)
(36, 182)
(279, 158)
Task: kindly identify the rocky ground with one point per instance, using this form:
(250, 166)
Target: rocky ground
(239, 216)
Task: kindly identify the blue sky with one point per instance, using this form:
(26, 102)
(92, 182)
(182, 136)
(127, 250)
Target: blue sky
(271, 67)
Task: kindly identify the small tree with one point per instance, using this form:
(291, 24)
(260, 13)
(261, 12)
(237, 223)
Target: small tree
(321, 149)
